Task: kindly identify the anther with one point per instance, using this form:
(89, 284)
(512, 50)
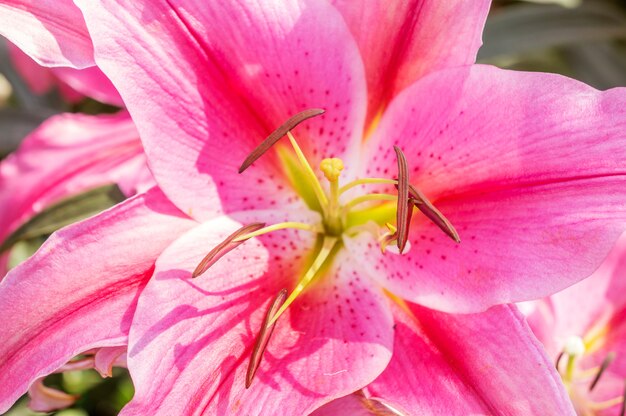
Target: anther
(331, 167)
(558, 360)
(229, 244)
(264, 337)
(423, 204)
(277, 134)
(605, 364)
(403, 199)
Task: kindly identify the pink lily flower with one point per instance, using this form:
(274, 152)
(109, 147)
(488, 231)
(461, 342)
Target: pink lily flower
(582, 329)
(514, 160)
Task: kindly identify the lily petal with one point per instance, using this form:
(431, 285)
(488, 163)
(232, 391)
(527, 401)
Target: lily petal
(107, 357)
(192, 358)
(401, 44)
(90, 82)
(487, 363)
(47, 399)
(80, 290)
(58, 26)
(529, 168)
(166, 52)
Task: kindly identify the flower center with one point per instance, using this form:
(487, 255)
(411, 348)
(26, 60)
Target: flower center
(573, 377)
(338, 218)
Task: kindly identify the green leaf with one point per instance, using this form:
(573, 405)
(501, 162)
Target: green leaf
(65, 212)
(525, 28)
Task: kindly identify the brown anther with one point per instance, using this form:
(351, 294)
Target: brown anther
(605, 364)
(423, 204)
(277, 134)
(403, 200)
(558, 360)
(264, 337)
(224, 247)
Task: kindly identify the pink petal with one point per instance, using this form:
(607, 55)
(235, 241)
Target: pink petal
(401, 44)
(108, 357)
(355, 404)
(487, 363)
(79, 291)
(47, 399)
(213, 101)
(192, 357)
(527, 167)
(584, 307)
(52, 32)
(90, 82)
(67, 155)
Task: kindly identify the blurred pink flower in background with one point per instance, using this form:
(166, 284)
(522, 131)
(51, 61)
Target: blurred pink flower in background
(70, 153)
(67, 155)
(586, 324)
(528, 167)
(73, 84)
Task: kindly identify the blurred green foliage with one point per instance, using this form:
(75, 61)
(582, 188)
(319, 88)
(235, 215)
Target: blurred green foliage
(583, 39)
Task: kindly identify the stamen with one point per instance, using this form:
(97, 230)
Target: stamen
(277, 134)
(369, 197)
(558, 360)
(317, 187)
(366, 181)
(574, 348)
(327, 246)
(264, 337)
(276, 227)
(605, 364)
(433, 214)
(403, 199)
(224, 247)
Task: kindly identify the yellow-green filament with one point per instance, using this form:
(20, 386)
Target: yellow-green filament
(317, 187)
(366, 181)
(569, 369)
(369, 197)
(279, 226)
(327, 246)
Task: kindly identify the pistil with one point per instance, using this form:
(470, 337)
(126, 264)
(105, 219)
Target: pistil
(332, 167)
